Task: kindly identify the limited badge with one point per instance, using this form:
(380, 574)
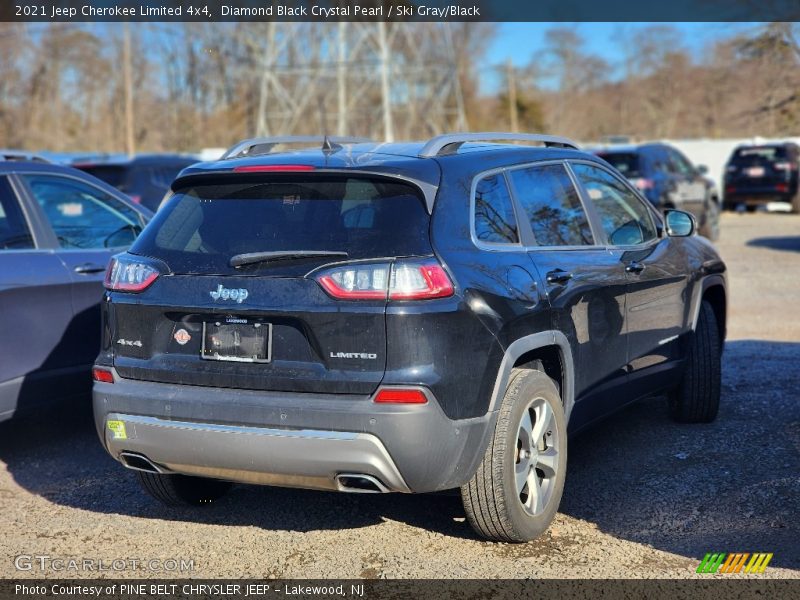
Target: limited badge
(182, 336)
(118, 430)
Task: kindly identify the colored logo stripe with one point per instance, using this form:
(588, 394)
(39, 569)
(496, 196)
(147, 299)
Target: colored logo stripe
(758, 563)
(711, 562)
(734, 562)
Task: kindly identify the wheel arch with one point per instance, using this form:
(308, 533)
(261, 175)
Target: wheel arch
(548, 349)
(714, 292)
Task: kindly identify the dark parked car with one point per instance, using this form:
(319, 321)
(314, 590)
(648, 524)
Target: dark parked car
(668, 180)
(58, 229)
(145, 178)
(757, 175)
(406, 317)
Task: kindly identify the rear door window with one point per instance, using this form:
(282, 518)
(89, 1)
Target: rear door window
(201, 227)
(495, 222)
(552, 206)
(627, 163)
(113, 175)
(14, 231)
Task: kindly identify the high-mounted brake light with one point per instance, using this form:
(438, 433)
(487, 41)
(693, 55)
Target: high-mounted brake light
(273, 168)
(400, 396)
(128, 274)
(402, 280)
(102, 375)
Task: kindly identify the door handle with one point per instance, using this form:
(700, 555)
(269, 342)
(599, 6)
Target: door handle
(634, 267)
(558, 276)
(88, 269)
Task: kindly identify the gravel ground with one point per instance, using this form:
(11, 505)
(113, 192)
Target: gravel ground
(644, 497)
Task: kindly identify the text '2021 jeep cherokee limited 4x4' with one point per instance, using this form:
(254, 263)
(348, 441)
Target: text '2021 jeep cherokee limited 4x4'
(400, 317)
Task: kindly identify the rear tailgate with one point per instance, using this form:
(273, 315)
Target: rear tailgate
(266, 325)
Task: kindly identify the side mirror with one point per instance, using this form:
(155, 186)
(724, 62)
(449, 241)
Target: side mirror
(702, 169)
(679, 223)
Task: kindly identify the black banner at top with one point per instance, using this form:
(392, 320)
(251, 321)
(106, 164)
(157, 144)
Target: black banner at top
(398, 10)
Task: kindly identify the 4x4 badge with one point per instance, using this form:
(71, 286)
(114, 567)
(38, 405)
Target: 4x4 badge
(222, 293)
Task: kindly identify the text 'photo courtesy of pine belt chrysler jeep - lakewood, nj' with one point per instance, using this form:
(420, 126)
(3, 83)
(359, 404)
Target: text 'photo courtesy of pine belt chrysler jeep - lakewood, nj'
(340, 314)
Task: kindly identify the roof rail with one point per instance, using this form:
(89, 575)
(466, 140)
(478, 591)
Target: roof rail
(451, 142)
(21, 156)
(266, 144)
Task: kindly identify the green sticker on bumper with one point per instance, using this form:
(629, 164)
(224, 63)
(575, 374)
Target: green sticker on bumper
(118, 429)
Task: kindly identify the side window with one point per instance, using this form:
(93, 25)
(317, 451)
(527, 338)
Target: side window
(494, 213)
(624, 217)
(14, 231)
(83, 216)
(552, 205)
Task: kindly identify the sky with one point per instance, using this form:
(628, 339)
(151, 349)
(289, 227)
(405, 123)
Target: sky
(520, 41)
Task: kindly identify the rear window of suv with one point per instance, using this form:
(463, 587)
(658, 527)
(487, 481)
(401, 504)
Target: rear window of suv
(758, 155)
(201, 227)
(626, 163)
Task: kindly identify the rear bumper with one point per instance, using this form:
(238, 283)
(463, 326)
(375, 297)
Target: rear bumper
(289, 439)
(756, 198)
(307, 458)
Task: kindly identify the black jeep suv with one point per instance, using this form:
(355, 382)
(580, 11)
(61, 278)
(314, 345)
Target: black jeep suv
(406, 317)
(758, 175)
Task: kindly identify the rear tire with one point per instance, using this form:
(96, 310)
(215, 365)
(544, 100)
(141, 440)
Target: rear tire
(514, 495)
(182, 490)
(696, 399)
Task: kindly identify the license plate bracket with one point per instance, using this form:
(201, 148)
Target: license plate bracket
(237, 340)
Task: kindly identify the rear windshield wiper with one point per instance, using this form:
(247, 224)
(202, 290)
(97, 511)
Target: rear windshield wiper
(251, 258)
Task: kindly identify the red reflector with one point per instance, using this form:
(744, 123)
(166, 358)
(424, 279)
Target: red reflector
(272, 168)
(395, 396)
(730, 189)
(781, 187)
(102, 375)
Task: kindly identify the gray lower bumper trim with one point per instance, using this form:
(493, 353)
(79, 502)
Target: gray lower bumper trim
(306, 458)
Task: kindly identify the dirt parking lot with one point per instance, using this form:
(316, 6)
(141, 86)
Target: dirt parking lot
(644, 497)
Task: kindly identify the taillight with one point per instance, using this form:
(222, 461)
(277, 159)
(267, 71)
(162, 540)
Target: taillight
(419, 281)
(784, 166)
(401, 280)
(730, 189)
(102, 375)
(400, 396)
(127, 273)
(643, 183)
(782, 187)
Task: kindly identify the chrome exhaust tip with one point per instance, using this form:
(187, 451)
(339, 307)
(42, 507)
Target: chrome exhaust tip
(358, 483)
(139, 462)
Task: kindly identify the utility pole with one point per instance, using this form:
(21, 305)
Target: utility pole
(127, 76)
(388, 126)
(512, 96)
(267, 61)
(341, 78)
